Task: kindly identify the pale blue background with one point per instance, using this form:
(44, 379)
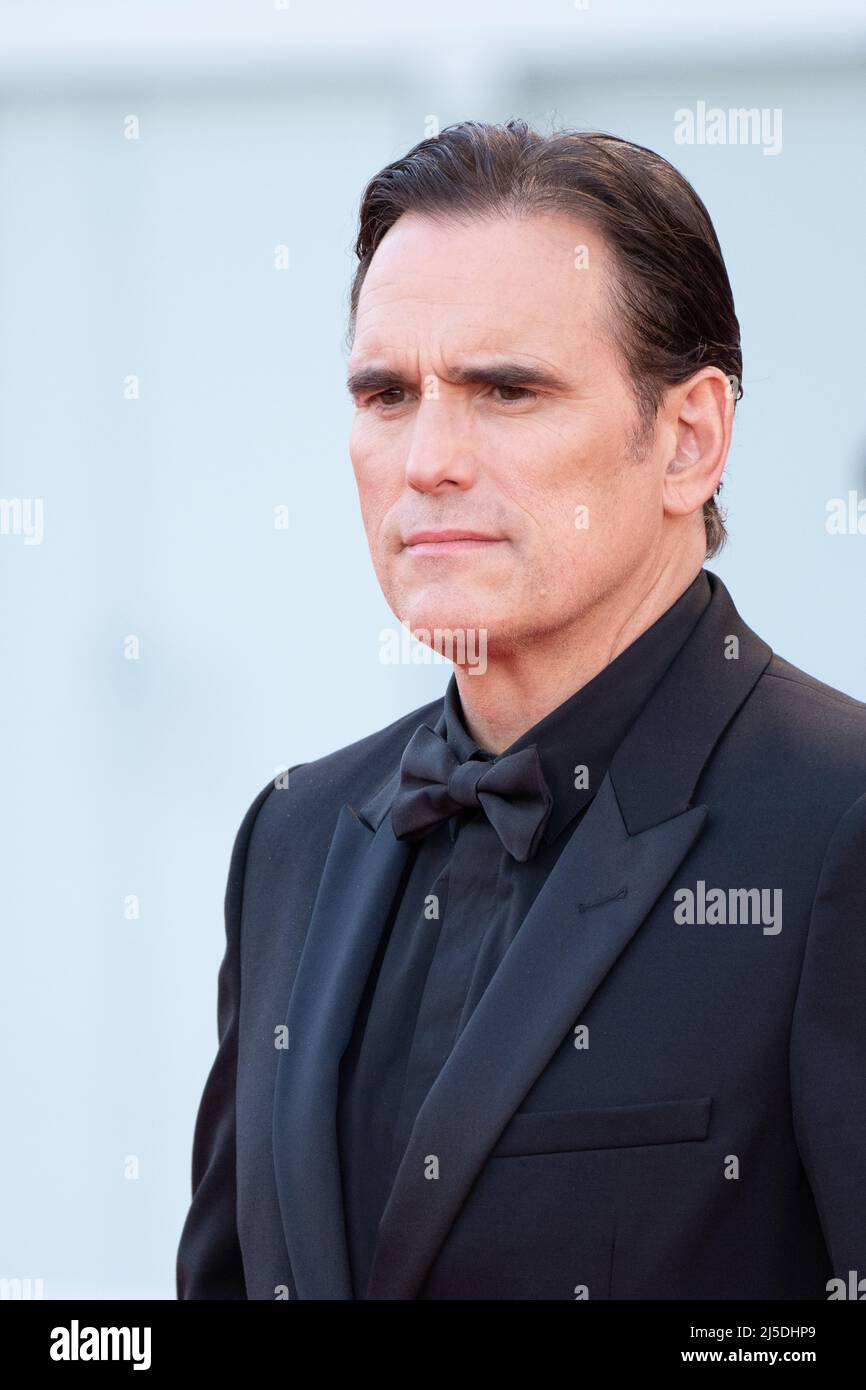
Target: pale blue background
(260, 647)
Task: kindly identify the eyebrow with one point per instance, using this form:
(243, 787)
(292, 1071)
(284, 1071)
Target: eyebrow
(378, 377)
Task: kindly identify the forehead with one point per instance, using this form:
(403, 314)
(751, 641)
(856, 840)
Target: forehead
(511, 281)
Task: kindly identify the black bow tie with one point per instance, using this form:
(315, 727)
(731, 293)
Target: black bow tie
(435, 785)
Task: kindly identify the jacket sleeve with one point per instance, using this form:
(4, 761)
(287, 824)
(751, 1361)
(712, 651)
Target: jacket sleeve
(209, 1263)
(828, 1047)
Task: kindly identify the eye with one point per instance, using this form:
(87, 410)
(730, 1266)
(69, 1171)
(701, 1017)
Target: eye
(523, 393)
(380, 398)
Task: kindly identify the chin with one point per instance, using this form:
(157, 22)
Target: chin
(467, 626)
(444, 607)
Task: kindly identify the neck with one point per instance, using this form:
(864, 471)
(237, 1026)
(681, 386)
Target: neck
(520, 686)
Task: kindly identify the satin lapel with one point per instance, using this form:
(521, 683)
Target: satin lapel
(602, 887)
(361, 875)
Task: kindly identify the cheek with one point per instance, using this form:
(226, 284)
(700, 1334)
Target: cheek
(567, 498)
(377, 457)
(580, 504)
(362, 457)
(376, 488)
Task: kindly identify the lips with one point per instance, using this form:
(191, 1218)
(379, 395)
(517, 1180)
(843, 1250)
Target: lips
(447, 542)
(443, 535)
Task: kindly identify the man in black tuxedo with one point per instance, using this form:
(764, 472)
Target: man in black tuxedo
(554, 988)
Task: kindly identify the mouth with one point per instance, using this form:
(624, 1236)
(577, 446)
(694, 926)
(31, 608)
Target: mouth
(447, 542)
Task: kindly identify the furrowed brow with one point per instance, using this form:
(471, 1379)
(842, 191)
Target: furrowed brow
(375, 378)
(505, 373)
(508, 373)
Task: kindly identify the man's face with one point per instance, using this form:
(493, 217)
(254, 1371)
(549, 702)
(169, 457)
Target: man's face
(543, 468)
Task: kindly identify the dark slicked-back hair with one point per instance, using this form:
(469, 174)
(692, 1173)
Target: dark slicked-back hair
(671, 300)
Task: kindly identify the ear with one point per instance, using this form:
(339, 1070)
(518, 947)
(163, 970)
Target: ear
(699, 416)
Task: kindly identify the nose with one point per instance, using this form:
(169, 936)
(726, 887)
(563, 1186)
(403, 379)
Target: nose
(440, 453)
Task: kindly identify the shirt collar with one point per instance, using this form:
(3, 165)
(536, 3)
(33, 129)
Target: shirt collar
(585, 731)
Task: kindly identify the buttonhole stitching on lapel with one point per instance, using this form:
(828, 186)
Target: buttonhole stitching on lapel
(599, 902)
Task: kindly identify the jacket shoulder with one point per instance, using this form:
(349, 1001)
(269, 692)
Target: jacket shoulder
(809, 691)
(314, 792)
(367, 758)
(805, 723)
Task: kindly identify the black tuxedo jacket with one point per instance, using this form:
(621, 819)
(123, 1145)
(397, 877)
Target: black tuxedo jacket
(640, 1106)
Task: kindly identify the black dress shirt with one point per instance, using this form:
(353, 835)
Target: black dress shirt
(462, 901)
